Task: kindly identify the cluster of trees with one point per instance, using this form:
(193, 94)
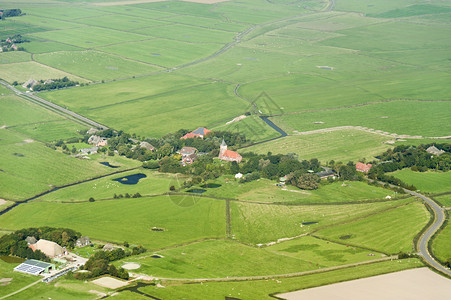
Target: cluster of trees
(10, 43)
(15, 244)
(415, 158)
(13, 12)
(100, 263)
(127, 195)
(54, 84)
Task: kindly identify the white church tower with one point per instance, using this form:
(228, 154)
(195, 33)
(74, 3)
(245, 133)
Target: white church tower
(223, 147)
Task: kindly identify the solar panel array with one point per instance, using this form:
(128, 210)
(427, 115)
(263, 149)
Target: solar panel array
(29, 269)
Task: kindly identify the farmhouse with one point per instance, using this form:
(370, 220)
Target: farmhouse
(49, 248)
(97, 140)
(228, 155)
(29, 84)
(188, 155)
(200, 132)
(434, 151)
(147, 146)
(361, 167)
(83, 241)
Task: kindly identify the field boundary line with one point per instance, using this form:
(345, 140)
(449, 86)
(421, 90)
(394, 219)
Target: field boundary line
(287, 275)
(22, 289)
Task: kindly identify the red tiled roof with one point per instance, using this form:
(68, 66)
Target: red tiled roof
(363, 167)
(189, 136)
(231, 154)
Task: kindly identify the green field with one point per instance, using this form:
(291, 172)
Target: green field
(128, 219)
(384, 231)
(262, 289)
(216, 259)
(154, 68)
(429, 182)
(94, 65)
(444, 200)
(341, 145)
(440, 245)
(154, 184)
(265, 191)
(263, 223)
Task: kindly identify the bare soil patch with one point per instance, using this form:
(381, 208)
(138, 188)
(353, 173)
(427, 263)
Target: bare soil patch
(110, 282)
(2, 201)
(416, 284)
(131, 266)
(5, 281)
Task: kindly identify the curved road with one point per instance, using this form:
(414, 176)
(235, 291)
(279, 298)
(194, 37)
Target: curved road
(439, 216)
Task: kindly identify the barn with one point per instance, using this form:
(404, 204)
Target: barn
(34, 267)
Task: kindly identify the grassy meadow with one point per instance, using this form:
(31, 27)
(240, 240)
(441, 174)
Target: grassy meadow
(128, 219)
(390, 231)
(427, 182)
(340, 145)
(154, 68)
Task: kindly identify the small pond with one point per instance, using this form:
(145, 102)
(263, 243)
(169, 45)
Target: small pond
(156, 256)
(210, 185)
(345, 237)
(105, 163)
(196, 191)
(12, 259)
(309, 223)
(130, 179)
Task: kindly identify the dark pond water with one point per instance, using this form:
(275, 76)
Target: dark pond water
(275, 127)
(105, 163)
(156, 256)
(12, 259)
(345, 237)
(196, 191)
(130, 179)
(211, 185)
(309, 223)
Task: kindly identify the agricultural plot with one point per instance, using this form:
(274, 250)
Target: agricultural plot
(444, 200)
(424, 118)
(440, 244)
(97, 36)
(265, 190)
(189, 34)
(252, 127)
(213, 23)
(428, 182)
(389, 231)
(23, 71)
(117, 92)
(38, 47)
(14, 57)
(162, 52)
(321, 252)
(263, 223)
(156, 115)
(94, 65)
(263, 289)
(341, 145)
(50, 131)
(45, 22)
(134, 223)
(337, 192)
(122, 23)
(216, 259)
(105, 188)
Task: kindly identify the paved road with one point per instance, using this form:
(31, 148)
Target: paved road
(439, 216)
(33, 98)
